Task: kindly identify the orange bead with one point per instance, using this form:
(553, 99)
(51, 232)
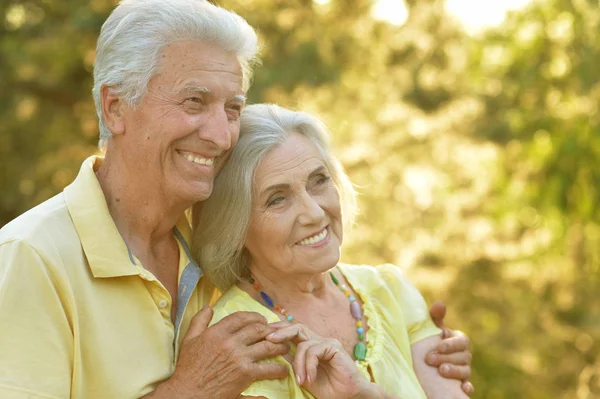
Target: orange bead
(256, 286)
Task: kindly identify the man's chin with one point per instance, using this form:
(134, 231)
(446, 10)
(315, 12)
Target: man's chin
(201, 193)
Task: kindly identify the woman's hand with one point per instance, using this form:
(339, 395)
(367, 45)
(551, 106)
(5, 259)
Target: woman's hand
(321, 365)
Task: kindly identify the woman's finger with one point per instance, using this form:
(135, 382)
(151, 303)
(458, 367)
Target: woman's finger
(295, 332)
(299, 363)
(322, 352)
(310, 353)
(280, 324)
(300, 359)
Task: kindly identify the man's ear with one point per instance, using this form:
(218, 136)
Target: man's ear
(112, 109)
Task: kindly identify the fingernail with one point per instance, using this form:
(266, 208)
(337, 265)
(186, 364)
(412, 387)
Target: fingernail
(443, 347)
(298, 379)
(432, 358)
(470, 388)
(445, 369)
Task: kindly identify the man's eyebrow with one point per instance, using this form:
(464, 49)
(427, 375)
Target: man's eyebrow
(201, 89)
(239, 97)
(196, 88)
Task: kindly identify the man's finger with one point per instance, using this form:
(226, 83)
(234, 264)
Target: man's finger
(437, 313)
(199, 322)
(468, 388)
(269, 371)
(459, 342)
(459, 358)
(238, 320)
(455, 372)
(253, 333)
(266, 350)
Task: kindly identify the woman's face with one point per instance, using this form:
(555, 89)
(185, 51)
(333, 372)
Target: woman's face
(295, 224)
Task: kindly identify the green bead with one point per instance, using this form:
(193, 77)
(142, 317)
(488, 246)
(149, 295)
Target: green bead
(335, 280)
(360, 351)
(361, 337)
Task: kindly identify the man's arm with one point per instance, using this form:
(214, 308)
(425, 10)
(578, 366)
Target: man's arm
(451, 355)
(36, 339)
(222, 360)
(434, 385)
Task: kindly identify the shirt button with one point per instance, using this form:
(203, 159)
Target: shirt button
(163, 303)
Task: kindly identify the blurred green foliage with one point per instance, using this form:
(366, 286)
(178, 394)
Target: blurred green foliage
(477, 157)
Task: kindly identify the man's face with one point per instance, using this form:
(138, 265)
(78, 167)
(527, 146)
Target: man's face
(183, 131)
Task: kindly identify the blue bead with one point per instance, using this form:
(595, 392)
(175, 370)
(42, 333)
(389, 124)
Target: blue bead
(360, 330)
(267, 299)
(290, 318)
(351, 298)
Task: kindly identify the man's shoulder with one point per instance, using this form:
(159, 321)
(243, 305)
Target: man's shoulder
(45, 223)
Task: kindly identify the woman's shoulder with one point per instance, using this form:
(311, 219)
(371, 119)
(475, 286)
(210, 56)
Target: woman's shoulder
(384, 274)
(237, 300)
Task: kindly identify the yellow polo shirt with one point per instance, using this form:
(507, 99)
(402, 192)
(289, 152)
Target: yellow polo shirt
(80, 317)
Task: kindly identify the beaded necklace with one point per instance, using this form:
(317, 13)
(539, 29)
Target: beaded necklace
(360, 349)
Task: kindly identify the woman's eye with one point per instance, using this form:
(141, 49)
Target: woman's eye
(275, 201)
(323, 179)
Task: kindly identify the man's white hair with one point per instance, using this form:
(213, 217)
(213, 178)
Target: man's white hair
(133, 37)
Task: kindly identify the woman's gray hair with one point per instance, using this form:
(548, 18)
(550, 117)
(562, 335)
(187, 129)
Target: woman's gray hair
(136, 32)
(221, 227)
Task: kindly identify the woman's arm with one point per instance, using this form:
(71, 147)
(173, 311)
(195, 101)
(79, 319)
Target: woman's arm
(434, 385)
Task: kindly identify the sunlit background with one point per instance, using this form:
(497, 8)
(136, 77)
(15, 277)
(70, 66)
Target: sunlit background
(470, 128)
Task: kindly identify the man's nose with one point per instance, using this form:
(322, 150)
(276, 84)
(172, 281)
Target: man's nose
(217, 128)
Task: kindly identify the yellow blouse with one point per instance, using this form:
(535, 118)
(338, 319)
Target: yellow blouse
(397, 317)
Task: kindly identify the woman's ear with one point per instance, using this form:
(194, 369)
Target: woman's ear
(112, 110)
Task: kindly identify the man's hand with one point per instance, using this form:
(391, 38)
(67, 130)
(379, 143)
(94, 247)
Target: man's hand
(221, 361)
(452, 356)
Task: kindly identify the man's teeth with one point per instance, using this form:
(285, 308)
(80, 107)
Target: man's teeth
(198, 159)
(314, 239)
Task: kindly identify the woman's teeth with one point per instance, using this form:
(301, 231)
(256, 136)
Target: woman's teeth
(314, 239)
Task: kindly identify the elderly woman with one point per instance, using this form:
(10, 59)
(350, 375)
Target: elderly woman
(270, 236)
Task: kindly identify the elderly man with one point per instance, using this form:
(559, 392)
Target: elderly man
(99, 296)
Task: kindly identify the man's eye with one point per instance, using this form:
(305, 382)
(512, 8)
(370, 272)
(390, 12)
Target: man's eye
(197, 100)
(234, 111)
